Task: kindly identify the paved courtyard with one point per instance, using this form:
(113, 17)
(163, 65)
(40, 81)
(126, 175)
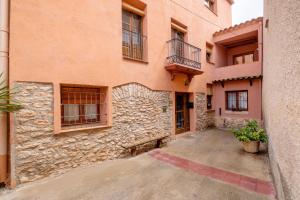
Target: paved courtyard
(207, 166)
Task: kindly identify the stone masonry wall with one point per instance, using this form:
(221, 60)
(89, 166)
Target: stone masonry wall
(229, 122)
(211, 118)
(201, 114)
(138, 112)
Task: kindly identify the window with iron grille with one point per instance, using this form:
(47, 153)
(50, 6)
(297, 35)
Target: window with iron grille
(133, 39)
(83, 106)
(237, 100)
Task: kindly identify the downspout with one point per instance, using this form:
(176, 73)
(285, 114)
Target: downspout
(4, 38)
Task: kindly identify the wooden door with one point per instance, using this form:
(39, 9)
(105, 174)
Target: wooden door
(182, 113)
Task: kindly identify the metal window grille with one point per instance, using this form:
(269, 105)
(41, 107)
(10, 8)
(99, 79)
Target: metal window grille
(133, 44)
(83, 106)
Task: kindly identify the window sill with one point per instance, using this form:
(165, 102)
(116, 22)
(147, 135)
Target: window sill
(75, 129)
(135, 60)
(236, 112)
(210, 111)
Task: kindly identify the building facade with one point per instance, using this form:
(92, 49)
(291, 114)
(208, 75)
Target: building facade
(95, 77)
(237, 80)
(281, 94)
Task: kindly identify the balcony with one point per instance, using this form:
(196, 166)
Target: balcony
(238, 52)
(183, 58)
(237, 71)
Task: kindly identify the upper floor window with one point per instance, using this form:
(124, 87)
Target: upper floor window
(211, 4)
(209, 96)
(243, 58)
(83, 106)
(209, 49)
(176, 34)
(177, 43)
(237, 100)
(133, 39)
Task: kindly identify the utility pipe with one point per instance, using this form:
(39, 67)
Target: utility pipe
(4, 37)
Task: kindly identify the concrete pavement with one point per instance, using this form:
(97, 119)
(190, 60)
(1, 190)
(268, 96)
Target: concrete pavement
(206, 166)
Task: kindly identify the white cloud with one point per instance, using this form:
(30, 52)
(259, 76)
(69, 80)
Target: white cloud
(243, 10)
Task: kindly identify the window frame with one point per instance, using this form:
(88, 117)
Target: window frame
(83, 120)
(209, 97)
(243, 57)
(237, 100)
(139, 35)
(208, 57)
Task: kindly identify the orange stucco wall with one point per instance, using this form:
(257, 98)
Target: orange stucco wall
(79, 42)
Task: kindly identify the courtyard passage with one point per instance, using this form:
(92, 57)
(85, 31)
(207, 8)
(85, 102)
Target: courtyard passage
(210, 165)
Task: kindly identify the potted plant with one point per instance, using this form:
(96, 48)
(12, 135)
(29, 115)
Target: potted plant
(251, 135)
(6, 102)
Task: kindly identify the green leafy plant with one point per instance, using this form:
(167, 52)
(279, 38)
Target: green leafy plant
(7, 104)
(250, 132)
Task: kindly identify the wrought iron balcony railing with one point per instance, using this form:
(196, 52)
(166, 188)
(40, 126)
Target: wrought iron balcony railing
(134, 45)
(180, 52)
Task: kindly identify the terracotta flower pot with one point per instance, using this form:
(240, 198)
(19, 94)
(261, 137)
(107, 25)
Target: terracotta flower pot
(251, 147)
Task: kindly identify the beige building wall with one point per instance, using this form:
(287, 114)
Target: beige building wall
(281, 93)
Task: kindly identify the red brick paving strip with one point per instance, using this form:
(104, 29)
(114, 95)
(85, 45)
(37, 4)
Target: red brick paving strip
(249, 183)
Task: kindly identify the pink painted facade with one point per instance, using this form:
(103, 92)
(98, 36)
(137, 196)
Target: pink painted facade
(246, 76)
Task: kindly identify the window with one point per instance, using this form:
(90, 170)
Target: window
(133, 40)
(209, 95)
(211, 4)
(83, 105)
(178, 43)
(209, 102)
(237, 100)
(243, 58)
(177, 34)
(209, 48)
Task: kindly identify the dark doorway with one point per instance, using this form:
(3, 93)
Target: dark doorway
(182, 113)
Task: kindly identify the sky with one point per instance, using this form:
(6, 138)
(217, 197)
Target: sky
(243, 10)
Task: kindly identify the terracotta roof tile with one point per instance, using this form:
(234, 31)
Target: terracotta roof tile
(238, 78)
(231, 28)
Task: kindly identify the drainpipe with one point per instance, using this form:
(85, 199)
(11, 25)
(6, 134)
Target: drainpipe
(4, 16)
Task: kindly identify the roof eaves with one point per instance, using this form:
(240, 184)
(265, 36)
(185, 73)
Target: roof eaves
(238, 78)
(246, 23)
